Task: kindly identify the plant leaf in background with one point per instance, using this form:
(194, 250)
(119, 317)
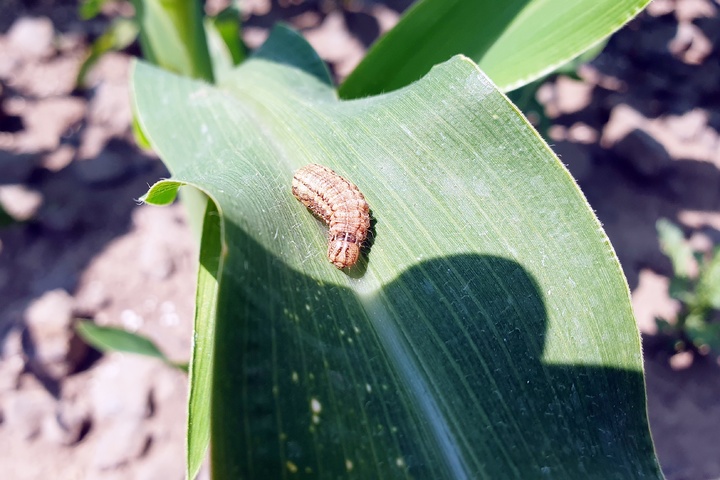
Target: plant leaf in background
(172, 36)
(513, 41)
(223, 35)
(119, 35)
(674, 245)
(91, 8)
(111, 339)
(525, 97)
(487, 333)
(201, 368)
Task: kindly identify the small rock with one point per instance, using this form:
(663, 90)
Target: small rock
(67, 426)
(690, 44)
(59, 158)
(120, 442)
(335, 44)
(51, 78)
(31, 38)
(25, 411)
(122, 388)
(623, 120)
(91, 297)
(47, 120)
(110, 107)
(572, 95)
(114, 68)
(582, 133)
(155, 261)
(681, 361)
(650, 300)
(689, 126)
(689, 10)
(164, 465)
(12, 363)
(56, 348)
(658, 8)
(20, 202)
(644, 154)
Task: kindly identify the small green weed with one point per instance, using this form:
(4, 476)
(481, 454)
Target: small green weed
(696, 284)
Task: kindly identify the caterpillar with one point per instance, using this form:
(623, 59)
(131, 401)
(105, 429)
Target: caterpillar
(340, 205)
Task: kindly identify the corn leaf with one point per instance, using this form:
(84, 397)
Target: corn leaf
(486, 333)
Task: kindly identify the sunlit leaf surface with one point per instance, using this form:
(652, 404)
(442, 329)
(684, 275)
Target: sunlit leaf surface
(486, 333)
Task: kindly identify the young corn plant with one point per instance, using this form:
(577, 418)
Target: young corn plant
(696, 285)
(486, 331)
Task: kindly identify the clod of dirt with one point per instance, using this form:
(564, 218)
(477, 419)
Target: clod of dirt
(115, 395)
(67, 426)
(31, 38)
(55, 349)
(12, 362)
(25, 411)
(19, 201)
(46, 121)
(120, 442)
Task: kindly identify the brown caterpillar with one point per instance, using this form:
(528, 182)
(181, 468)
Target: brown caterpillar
(338, 203)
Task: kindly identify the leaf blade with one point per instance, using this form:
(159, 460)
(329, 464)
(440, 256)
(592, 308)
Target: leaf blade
(460, 331)
(514, 42)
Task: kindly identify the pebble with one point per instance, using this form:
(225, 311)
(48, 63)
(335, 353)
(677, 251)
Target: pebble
(56, 349)
(20, 202)
(121, 388)
(25, 411)
(119, 443)
(31, 38)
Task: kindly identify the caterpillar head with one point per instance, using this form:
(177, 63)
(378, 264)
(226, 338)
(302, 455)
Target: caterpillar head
(343, 253)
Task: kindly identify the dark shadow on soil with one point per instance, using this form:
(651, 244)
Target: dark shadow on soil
(656, 82)
(685, 401)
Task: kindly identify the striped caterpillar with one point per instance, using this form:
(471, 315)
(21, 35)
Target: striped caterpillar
(340, 205)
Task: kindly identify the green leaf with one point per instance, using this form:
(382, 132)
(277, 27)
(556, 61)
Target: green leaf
(223, 36)
(673, 244)
(138, 134)
(201, 363)
(709, 281)
(227, 25)
(513, 41)
(172, 36)
(119, 35)
(704, 335)
(286, 47)
(91, 8)
(487, 333)
(109, 339)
